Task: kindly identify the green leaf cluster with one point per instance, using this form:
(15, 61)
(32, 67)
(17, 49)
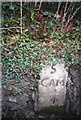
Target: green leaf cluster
(40, 44)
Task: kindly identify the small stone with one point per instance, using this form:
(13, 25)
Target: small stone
(12, 99)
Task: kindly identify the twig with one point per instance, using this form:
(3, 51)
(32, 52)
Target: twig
(65, 7)
(71, 17)
(21, 16)
(71, 12)
(57, 13)
(75, 12)
(40, 4)
(68, 8)
(64, 17)
(35, 4)
(2, 28)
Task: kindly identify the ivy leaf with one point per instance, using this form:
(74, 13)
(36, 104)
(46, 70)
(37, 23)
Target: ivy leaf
(45, 34)
(44, 49)
(46, 13)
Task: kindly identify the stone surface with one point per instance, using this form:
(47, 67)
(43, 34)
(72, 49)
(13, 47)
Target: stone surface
(73, 91)
(15, 98)
(55, 87)
(52, 85)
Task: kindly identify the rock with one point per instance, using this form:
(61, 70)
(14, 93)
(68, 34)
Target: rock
(52, 85)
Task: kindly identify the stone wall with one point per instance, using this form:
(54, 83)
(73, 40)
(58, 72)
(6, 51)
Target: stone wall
(57, 87)
(73, 91)
(19, 98)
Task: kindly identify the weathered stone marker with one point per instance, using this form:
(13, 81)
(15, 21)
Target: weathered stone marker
(52, 85)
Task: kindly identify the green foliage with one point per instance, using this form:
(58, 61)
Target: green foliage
(21, 113)
(42, 42)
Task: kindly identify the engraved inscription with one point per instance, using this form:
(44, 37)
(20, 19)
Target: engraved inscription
(52, 85)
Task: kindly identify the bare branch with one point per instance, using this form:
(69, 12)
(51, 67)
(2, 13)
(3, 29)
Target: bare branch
(75, 13)
(21, 16)
(71, 9)
(68, 8)
(57, 12)
(65, 7)
(35, 4)
(40, 4)
(64, 17)
(10, 28)
(72, 16)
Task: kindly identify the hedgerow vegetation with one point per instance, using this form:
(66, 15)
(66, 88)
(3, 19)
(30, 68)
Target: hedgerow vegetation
(46, 36)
